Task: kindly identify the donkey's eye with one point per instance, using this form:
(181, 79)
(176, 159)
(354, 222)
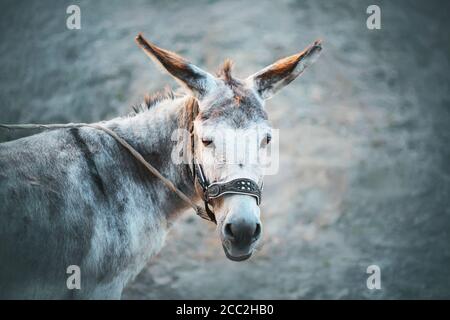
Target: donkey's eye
(266, 140)
(207, 141)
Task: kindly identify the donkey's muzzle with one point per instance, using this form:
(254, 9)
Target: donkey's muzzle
(239, 239)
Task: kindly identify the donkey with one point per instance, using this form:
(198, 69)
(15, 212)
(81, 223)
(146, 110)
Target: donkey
(75, 196)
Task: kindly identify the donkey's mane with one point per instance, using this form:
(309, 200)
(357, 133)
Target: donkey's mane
(225, 70)
(225, 74)
(153, 99)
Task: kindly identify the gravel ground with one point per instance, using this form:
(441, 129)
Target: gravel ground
(364, 176)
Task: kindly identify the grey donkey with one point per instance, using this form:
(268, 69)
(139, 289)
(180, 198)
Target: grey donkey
(75, 196)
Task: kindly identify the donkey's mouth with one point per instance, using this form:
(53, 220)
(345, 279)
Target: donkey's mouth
(236, 258)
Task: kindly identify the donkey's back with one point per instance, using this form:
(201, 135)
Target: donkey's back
(64, 201)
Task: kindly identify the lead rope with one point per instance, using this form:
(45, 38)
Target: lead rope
(199, 210)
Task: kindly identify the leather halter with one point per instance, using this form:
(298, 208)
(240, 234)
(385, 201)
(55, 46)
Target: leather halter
(215, 190)
(218, 189)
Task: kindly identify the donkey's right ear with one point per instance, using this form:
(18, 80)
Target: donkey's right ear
(198, 81)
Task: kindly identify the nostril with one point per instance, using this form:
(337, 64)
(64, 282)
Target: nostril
(228, 232)
(257, 232)
(243, 233)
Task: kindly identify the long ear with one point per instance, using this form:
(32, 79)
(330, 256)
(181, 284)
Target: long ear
(274, 77)
(189, 75)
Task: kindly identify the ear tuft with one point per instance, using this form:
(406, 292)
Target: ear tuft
(225, 71)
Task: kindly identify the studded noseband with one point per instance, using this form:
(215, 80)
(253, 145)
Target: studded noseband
(218, 189)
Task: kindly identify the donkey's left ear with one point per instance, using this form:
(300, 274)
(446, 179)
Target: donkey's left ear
(269, 80)
(198, 81)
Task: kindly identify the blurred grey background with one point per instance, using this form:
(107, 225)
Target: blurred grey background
(364, 176)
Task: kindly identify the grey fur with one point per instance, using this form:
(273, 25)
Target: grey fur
(77, 197)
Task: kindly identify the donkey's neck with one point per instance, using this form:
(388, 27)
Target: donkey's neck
(150, 132)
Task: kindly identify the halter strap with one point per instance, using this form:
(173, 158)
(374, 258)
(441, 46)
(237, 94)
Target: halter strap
(217, 189)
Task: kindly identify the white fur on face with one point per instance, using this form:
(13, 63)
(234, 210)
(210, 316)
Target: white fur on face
(233, 153)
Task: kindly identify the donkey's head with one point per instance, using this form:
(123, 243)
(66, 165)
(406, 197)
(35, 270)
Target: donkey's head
(231, 132)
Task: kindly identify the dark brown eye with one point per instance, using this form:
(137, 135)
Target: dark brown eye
(206, 142)
(266, 140)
